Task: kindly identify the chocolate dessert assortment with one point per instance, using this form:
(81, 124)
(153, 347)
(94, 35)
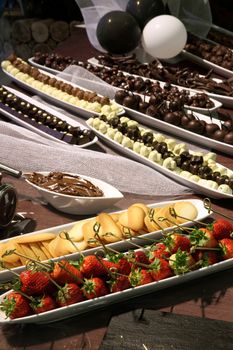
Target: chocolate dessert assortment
(174, 74)
(42, 120)
(198, 167)
(63, 183)
(58, 88)
(174, 114)
(114, 74)
(137, 84)
(215, 53)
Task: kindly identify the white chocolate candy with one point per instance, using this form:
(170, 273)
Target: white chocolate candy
(132, 123)
(158, 137)
(137, 146)
(212, 184)
(210, 156)
(103, 127)
(118, 137)
(225, 189)
(145, 151)
(5, 64)
(169, 163)
(179, 148)
(170, 143)
(155, 157)
(124, 119)
(90, 121)
(126, 142)
(194, 178)
(111, 133)
(185, 174)
(96, 123)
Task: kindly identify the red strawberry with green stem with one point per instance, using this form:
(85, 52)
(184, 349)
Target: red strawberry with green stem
(181, 262)
(160, 269)
(15, 305)
(93, 267)
(43, 304)
(121, 262)
(64, 272)
(206, 257)
(119, 283)
(94, 287)
(226, 246)
(175, 241)
(34, 282)
(158, 251)
(222, 229)
(139, 277)
(69, 294)
(203, 237)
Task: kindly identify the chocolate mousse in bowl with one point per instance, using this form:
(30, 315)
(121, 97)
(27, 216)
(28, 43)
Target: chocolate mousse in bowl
(74, 193)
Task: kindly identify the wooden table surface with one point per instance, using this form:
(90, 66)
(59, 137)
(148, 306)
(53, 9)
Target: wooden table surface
(209, 298)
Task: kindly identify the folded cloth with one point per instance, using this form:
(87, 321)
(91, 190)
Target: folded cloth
(27, 151)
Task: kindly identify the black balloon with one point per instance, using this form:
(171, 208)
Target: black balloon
(144, 10)
(118, 32)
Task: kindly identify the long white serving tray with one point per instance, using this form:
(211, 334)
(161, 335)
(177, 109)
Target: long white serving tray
(226, 101)
(183, 133)
(171, 174)
(82, 112)
(120, 245)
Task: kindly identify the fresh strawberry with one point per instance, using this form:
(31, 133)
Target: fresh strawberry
(69, 294)
(158, 251)
(226, 245)
(138, 277)
(121, 263)
(15, 305)
(34, 282)
(94, 287)
(203, 237)
(64, 272)
(222, 229)
(120, 283)
(160, 269)
(181, 262)
(42, 304)
(176, 241)
(141, 257)
(206, 257)
(92, 267)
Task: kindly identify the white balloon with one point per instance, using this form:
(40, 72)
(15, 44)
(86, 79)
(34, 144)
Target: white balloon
(164, 36)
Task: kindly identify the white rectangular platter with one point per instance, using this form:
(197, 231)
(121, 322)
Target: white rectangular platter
(174, 176)
(120, 245)
(63, 116)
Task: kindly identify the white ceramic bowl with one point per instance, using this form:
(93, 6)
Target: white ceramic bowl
(81, 205)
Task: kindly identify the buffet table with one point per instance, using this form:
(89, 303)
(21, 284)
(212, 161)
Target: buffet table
(194, 315)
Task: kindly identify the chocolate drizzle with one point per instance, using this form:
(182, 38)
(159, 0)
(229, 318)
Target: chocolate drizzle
(63, 183)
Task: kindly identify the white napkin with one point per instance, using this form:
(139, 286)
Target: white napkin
(27, 151)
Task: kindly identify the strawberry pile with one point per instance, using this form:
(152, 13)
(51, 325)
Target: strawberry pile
(43, 287)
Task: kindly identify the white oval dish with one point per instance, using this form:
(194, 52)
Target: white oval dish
(78, 205)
